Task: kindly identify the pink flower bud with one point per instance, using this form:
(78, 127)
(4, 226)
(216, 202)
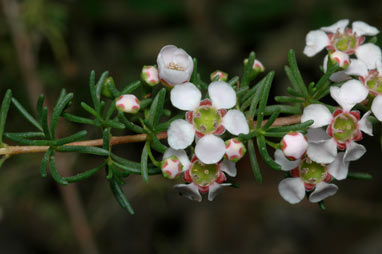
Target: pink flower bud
(234, 150)
(171, 167)
(128, 103)
(175, 65)
(150, 75)
(223, 76)
(339, 57)
(294, 145)
(257, 65)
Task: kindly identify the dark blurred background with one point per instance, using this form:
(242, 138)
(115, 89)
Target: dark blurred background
(48, 45)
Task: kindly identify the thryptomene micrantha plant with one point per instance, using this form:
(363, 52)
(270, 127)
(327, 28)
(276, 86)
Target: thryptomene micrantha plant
(199, 129)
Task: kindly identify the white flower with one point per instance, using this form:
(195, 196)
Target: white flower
(128, 103)
(204, 178)
(150, 75)
(205, 119)
(223, 76)
(339, 37)
(175, 65)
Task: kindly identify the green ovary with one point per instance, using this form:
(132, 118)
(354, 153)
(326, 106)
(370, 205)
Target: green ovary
(345, 127)
(374, 84)
(204, 174)
(206, 119)
(346, 42)
(312, 172)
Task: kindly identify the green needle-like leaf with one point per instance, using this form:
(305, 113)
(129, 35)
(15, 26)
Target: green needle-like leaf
(120, 196)
(106, 139)
(57, 111)
(246, 78)
(93, 92)
(296, 72)
(156, 108)
(83, 149)
(73, 138)
(114, 91)
(26, 115)
(130, 125)
(293, 127)
(130, 88)
(255, 100)
(288, 99)
(233, 81)
(19, 139)
(84, 175)
(44, 123)
(271, 119)
(144, 157)
(78, 119)
(132, 166)
(264, 153)
(359, 175)
(157, 145)
(91, 111)
(39, 106)
(253, 160)
(53, 171)
(100, 83)
(4, 112)
(264, 98)
(44, 163)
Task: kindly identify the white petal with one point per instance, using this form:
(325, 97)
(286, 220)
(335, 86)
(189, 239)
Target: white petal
(376, 107)
(339, 168)
(315, 42)
(365, 125)
(190, 191)
(292, 190)
(361, 28)
(180, 154)
(324, 151)
(379, 66)
(215, 189)
(318, 113)
(180, 134)
(228, 167)
(317, 134)
(338, 26)
(322, 191)
(222, 95)
(325, 64)
(286, 165)
(210, 149)
(357, 68)
(339, 76)
(354, 151)
(234, 122)
(185, 96)
(370, 54)
(349, 94)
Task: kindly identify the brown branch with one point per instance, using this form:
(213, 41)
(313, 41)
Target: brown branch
(11, 150)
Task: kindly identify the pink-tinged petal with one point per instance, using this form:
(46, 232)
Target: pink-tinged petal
(222, 95)
(294, 145)
(285, 164)
(228, 167)
(317, 134)
(190, 191)
(215, 189)
(315, 42)
(210, 149)
(338, 26)
(324, 151)
(365, 125)
(357, 68)
(376, 107)
(234, 122)
(323, 190)
(349, 94)
(318, 113)
(180, 134)
(360, 28)
(180, 154)
(354, 151)
(185, 96)
(339, 168)
(292, 190)
(370, 54)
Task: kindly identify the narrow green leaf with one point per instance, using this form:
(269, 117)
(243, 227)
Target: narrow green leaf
(233, 81)
(72, 138)
(44, 123)
(288, 99)
(133, 167)
(165, 125)
(44, 163)
(254, 164)
(78, 119)
(84, 175)
(271, 119)
(322, 205)
(93, 93)
(26, 115)
(311, 88)
(246, 77)
(106, 139)
(120, 196)
(145, 103)
(4, 112)
(293, 127)
(157, 145)
(194, 75)
(156, 108)
(144, 157)
(111, 110)
(264, 153)
(293, 92)
(130, 88)
(83, 149)
(53, 170)
(255, 100)
(114, 124)
(322, 83)
(130, 125)
(296, 72)
(359, 175)
(114, 91)
(16, 138)
(253, 90)
(275, 134)
(27, 134)
(264, 98)
(39, 106)
(251, 135)
(100, 83)
(292, 80)
(287, 109)
(91, 111)
(57, 111)
(242, 91)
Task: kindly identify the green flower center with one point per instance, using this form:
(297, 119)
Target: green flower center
(312, 172)
(345, 127)
(204, 174)
(374, 84)
(206, 119)
(344, 42)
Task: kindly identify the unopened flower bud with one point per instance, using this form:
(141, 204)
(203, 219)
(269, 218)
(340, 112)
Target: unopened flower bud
(223, 76)
(234, 150)
(257, 65)
(175, 66)
(294, 145)
(128, 103)
(105, 87)
(339, 57)
(171, 167)
(150, 75)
